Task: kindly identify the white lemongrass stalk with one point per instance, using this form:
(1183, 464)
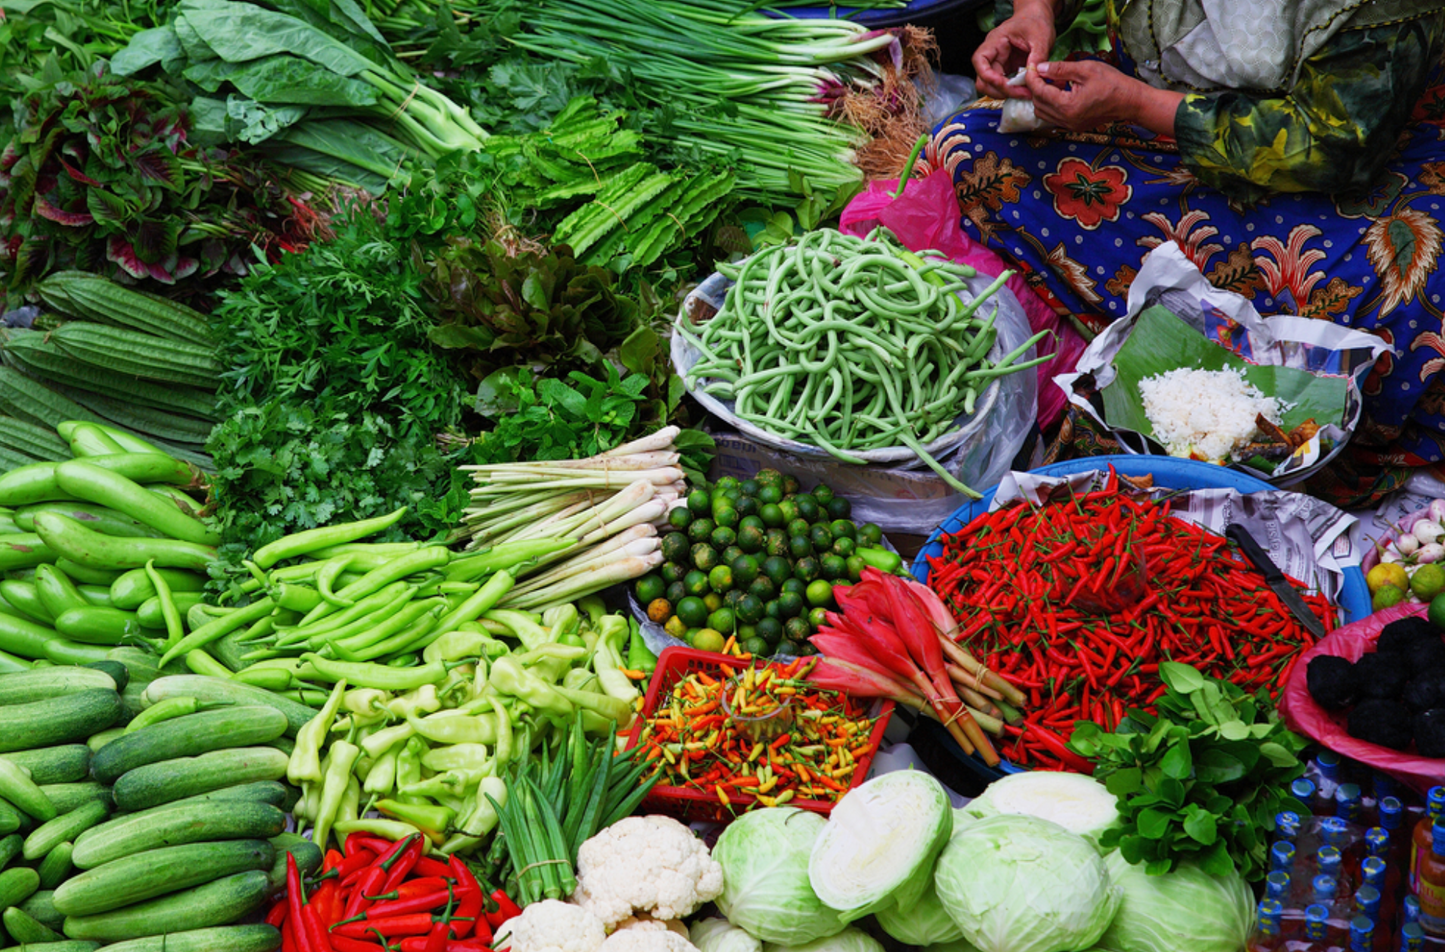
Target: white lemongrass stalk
(486, 522)
(582, 479)
(661, 440)
(585, 583)
(597, 463)
(646, 513)
(638, 540)
(595, 516)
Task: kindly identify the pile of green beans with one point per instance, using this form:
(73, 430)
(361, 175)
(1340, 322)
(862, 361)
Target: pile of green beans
(852, 344)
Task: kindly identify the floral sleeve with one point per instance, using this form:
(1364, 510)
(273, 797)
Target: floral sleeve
(1332, 133)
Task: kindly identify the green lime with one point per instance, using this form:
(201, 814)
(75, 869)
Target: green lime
(844, 547)
(807, 569)
(713, 601)
(749, 609)
(856, 565)
(869, 534)
(724, 620)
(770, 494)
(726, 517)
(699, 502)
(843, 529)
(789, 509)
(776, 543)
(790, 484)
(799, 547)
(751, 522)
(807, 507)
(790, 605)
(751, 538)
(676, 592)
(720, 579)
(771, 609)
(798, 527)
(840, 508)
(770, 629)
(797, 629)
(675, 546)
(696, 582)
(727, 483)
(823, 493)
(1437, 611)
(704, 556)
(731, 554)
(649, 588)
(834, 567)
(1387, 596)
(722, 537)
(772, 515)
(763, 587)
(749, 487)
(821, 537)
(675, 627)
(674, 571)
(747, 631)
(748, 506)
(768, 476)
(688, 635)
(1428, 581)
(777, 569)
(819, 593)
(709, 639)
(794, 585)
(700, 529)
(755, 646)
(745, 569)
(818, 617)
(679, 517)
(659, 610)
(731, 599)
(692, 611)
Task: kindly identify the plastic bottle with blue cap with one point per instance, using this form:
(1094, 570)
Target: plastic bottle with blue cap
(1421, 837)
(1268, 932)
(1430, 879)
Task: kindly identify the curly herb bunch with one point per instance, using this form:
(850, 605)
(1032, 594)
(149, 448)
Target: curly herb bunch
(1202, 780)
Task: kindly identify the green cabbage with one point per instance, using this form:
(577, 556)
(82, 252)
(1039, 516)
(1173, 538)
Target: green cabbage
(879, 845)
(719, 935)
(1187, 910)
(1077, 803)
(1021, 884)
(849, 940)
(764, 855)
(926, 922)
(957, 945)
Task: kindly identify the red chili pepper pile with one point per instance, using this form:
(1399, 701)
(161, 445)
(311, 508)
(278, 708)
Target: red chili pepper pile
(380, 896)
(1029, 587)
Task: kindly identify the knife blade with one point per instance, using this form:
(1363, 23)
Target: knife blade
(1275, 579)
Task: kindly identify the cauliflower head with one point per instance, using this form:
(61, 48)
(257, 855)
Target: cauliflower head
(650, 864)
(646, 940)
(552, 926)
(645, 923)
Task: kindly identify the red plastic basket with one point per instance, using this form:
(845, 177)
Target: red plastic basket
(687, 803)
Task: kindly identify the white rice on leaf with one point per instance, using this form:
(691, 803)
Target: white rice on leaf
(1208, 413)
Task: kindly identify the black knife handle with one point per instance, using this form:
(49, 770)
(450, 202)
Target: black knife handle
(1241, 537)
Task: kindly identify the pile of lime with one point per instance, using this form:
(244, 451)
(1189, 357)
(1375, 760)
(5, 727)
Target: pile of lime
(758, 559)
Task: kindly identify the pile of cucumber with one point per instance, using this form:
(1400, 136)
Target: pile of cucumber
(164, 835)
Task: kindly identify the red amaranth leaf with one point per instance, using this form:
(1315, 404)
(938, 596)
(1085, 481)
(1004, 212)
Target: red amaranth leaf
(44, 209)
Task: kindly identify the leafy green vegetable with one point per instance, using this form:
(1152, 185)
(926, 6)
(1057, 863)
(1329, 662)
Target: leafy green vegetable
(1186, 910)
(1202, 780)
(764, 855)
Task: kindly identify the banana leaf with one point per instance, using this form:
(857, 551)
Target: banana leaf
(1161, 342)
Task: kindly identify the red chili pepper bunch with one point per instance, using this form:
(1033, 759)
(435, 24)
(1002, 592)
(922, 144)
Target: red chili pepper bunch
(380, 896)
(1039, 595)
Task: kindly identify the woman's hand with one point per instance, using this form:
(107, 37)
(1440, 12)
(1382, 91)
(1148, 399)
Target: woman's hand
(1084, 95)
(1024, 39)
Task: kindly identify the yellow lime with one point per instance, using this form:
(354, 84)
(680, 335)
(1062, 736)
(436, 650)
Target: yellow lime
(1437, 611)
(1387, 597)
(1428, 581)
(708, 639)
(1387, 573)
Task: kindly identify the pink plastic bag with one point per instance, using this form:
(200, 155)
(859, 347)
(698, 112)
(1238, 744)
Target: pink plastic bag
(926, 216)
(1304, 716)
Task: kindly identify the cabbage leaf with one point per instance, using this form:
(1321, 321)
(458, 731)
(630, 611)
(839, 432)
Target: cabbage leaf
(1079, 804)
(766, 889)
(1186, 910)
(849, 940)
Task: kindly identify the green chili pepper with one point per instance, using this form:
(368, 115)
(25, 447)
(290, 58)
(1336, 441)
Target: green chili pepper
(429, 818)
(369, 675)
(333, 787)
(305, 762)
(310, 540)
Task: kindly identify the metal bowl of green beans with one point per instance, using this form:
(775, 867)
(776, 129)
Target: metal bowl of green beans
(860, 350)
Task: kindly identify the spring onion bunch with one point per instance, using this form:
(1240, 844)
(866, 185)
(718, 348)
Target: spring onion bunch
(606, 509)
(766, 88)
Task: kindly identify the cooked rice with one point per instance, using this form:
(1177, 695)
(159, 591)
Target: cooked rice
(1208, 413)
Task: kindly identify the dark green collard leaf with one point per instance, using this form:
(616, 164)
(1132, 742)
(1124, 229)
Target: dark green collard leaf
(283, 79)
(147, 48)
(239, 32)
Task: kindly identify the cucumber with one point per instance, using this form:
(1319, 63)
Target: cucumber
(149, 611)
(168, 780)
(216, 689)
(11, 820)
(308, 857)
(134, 587)
(260, 791)
(47, 836)
(42, 910)
(96, 741)
(185, 736)
(10, 848)
(141, 876)
(118, 672)
(24, 928)
(65, 945)
(65, 763)
(22, 792)
(17, 885)
(70, 796)
(176, 825)
(247, 938)
(57, 866)
(23, 687)
(214, 904)
(59, 720)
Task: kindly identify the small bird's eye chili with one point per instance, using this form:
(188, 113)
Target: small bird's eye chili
(1077, 600)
